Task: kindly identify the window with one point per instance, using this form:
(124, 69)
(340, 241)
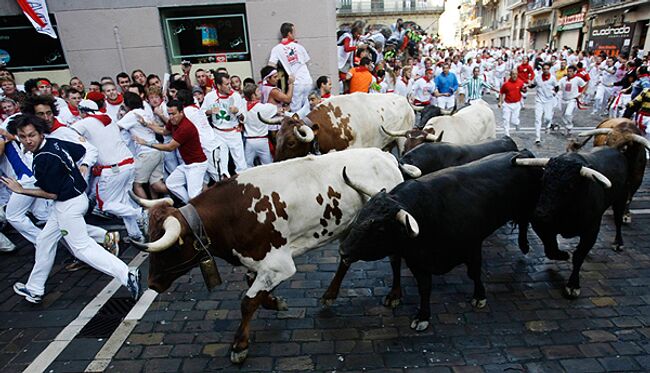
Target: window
(26, 49)
(199, 34)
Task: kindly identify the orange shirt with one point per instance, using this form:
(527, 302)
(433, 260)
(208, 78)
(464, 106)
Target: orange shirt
(361, 79)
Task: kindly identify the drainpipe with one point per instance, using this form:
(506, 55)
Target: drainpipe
(552, 30)
(120, 49)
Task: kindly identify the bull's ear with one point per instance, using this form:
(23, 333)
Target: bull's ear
(295, 117)
(314, 127)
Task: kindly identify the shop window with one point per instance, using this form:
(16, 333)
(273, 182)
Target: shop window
(24, 49)
(204, 34)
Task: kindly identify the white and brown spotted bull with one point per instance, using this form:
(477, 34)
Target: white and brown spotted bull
(342, 122)
(473, 123)
(261, 219)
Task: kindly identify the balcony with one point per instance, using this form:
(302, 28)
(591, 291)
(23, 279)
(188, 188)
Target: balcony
(349, 8)
(511, 4)
(595, 4)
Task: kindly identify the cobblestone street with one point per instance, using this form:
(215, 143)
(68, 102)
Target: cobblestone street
(527, 325)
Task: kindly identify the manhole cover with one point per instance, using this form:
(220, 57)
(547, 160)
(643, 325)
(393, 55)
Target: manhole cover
(108, 318)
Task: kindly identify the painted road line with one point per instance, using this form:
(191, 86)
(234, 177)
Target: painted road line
(63, 339)
(116, 340)
(632, 211)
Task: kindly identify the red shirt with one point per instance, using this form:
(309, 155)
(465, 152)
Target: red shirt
(512, 90)
(187, 135)
(525, 73)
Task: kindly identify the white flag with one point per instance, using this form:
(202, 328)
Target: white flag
(36, 12)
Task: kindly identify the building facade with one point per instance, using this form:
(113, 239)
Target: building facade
(101, 38)
(425, 13)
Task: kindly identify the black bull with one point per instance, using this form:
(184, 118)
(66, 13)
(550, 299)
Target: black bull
(573, 206)
(439, 221)
(428, 157)
(431, 157)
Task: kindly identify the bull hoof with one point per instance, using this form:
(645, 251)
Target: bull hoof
(327, 302)
(559, 255)
(617, 247)
(571, 293)
(627, 218)
(479, 303)
(281, 304)
(419, 326)
(391, 302)
(238, 357)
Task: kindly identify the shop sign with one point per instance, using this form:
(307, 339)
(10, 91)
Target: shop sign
(567, 20)
(612, 40)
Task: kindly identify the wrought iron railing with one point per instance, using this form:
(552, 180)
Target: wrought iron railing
(344, 7)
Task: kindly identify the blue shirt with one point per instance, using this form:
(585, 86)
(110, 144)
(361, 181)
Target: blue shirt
(446, 83)
(56, 170)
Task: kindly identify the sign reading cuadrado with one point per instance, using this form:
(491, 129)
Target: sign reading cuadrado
(612, 40)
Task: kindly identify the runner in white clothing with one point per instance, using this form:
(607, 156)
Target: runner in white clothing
(114, 167)
(569, 96)
(227, 109)
(294, 59)
(256, 132)
(544, 100)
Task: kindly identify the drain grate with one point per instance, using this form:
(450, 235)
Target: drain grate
(107, 319)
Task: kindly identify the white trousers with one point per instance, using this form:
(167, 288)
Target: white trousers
(446, 103)
(186, 182)
(236, 146)
(67, 220)
(602, 97)
(543, 116)
(300, 96)
(112, 196)
(258, 148)
(217, 163)
(567, 107)
(17, 208)
(510, 115)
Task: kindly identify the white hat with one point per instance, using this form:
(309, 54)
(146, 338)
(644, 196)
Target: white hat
(87, 106)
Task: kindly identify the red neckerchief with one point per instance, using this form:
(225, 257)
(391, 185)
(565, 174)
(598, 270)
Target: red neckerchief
(327, 95)
(250, 104)
(227, 96)
(546, 77)
(426, 79)
(286, 41)
(406, 82)
(118, 101)
(73, 110)
(56, 125)
(105, 119)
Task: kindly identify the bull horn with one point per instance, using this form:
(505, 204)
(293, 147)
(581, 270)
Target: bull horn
(532, 162)
(361, 189)
(641, 140)
(271, 121)
(307, 137)
(409, 222)
(415, 108)
(595, 132)
(172, 233)
(149, 203)
(431, 137)
(401, 133)
(595, 175)
(410, 170)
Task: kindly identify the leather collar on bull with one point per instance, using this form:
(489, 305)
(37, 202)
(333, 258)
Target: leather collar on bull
(208, 265)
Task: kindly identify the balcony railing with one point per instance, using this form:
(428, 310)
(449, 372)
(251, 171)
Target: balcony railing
(351, 7)
(539, 4)
(604, 3)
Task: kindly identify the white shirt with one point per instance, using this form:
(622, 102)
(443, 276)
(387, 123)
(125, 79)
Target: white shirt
(294, 58)
(68, 134)
(207, 136)
(113, 111)
(607, 75)
(423, 90)
(545, 88)
(220, 105)
(569, 88)
(253, 127)
(403, 88)
(66, 117)
(129, 122)
(106, 138)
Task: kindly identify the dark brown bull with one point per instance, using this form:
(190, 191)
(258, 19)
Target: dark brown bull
(415, 136)
(622, 134)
